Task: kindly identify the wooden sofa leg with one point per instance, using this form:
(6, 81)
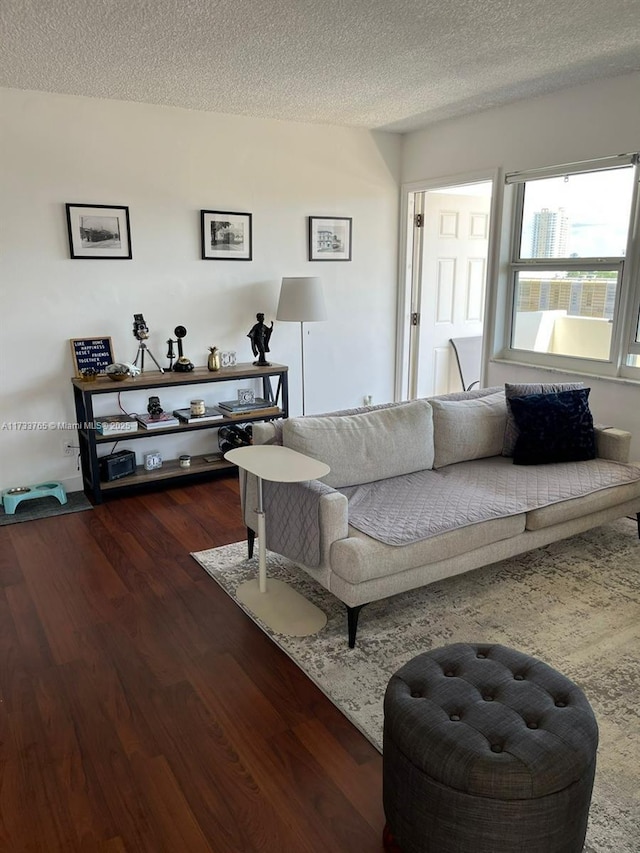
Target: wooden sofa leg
(352, 622)
(251, 538)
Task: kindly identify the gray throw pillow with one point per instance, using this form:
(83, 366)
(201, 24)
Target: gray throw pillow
(511, 431)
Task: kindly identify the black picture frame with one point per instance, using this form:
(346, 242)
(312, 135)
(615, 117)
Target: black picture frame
(330, 238)
(226, 235)
(99, 232)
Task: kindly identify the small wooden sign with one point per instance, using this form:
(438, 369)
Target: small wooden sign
(91, 354)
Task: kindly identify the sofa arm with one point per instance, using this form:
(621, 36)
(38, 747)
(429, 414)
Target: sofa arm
(612, 443)
(334, 523)
(264, 432)
(303, 519)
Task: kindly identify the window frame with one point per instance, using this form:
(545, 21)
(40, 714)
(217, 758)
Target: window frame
(626, 316)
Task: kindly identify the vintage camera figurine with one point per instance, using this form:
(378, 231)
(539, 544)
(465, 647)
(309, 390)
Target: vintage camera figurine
(154, 408)
(140, 328)
(141, 332)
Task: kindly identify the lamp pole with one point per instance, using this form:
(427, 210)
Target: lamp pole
(302, 359)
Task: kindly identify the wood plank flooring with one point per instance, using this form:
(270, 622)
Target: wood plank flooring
(141, 710)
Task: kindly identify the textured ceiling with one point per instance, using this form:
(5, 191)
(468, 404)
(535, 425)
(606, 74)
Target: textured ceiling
(393, 65)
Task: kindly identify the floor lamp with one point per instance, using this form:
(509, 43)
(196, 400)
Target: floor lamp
(301, 301)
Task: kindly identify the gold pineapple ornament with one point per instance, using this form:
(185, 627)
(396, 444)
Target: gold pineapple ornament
(213, 362)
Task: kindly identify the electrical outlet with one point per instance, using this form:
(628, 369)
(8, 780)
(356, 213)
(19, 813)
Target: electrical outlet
(69, 449)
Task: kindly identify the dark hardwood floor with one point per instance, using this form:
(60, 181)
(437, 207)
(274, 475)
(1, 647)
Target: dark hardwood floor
(141, 710)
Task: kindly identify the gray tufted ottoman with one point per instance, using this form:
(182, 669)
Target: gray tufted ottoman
(486, 750)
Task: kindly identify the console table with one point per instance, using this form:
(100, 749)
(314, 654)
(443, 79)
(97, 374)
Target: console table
(91, 442)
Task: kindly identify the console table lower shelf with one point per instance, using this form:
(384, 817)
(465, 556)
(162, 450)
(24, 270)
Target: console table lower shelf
(170, 470)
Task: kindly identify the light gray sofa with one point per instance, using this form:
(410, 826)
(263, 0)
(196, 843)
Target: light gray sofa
(420, 491)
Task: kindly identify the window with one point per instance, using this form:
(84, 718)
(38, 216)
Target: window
(574, 275)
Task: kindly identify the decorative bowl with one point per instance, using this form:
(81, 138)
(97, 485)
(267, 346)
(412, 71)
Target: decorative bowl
(117, 372)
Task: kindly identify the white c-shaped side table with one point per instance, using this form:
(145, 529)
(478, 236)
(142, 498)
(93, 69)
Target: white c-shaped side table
(273, 601)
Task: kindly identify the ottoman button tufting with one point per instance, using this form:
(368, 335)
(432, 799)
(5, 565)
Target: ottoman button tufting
(444, 793)
(416, 695)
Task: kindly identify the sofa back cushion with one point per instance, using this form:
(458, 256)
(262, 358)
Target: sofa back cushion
(368, 446)
(467, 395)
(523, 390)
(468, 429)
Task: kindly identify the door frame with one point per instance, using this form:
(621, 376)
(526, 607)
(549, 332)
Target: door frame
(407, 263)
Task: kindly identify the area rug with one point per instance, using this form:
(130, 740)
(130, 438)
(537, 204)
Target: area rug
(45, 508)
(575, 604)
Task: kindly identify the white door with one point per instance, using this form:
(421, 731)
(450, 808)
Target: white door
(449, 282)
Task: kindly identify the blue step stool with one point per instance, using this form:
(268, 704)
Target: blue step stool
(12, 497)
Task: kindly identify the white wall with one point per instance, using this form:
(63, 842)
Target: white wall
(582, 123)
(167, 164)
(595, 120)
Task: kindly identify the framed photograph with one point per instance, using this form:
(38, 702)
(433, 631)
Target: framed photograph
(329, 238)
(226, 236)
(99, 231)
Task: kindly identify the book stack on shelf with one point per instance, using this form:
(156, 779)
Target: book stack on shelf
(164, 419)
(236, 409)
(211, 413)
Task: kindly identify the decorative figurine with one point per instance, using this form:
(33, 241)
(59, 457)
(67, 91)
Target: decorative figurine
(213, 362)
(260, 335)
(182, 365)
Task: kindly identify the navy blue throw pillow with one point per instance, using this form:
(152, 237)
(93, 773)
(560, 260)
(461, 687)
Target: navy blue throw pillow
(555, 427)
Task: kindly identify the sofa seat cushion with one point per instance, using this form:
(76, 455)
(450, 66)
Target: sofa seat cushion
(594, 502)
(407, 509)
(369, 446)
(385, 561)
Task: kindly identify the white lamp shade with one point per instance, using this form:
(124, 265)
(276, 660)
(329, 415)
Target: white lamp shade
(301, 300)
